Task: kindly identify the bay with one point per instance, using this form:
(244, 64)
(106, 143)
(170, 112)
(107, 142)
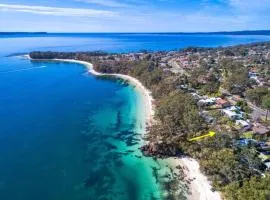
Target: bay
(66, 134)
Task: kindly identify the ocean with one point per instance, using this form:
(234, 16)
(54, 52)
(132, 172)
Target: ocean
(118, 42)
(66, 134)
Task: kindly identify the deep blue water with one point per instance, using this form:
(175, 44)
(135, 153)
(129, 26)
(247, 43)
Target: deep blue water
(119, 42)
(65, 134)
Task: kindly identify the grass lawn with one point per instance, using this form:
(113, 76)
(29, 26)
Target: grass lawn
(248, 135)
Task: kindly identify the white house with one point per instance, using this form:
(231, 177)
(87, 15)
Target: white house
(242, 123)
(267, 164)
(231, 114)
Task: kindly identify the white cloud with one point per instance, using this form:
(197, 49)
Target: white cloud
(57, 11)
(250, 5)
(142, 16)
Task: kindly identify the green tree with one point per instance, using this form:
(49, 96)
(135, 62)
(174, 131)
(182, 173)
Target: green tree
(250, 189)
(223, 167)
(237, 80)
(266, 104)
(178, 112)
(249, 157)
(255, 95)
(244, 106)
(191, 120)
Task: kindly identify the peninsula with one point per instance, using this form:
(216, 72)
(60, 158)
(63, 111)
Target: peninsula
(197, 91)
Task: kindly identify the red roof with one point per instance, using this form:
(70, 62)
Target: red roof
(253, 69)
(222, 101)
(260, 129)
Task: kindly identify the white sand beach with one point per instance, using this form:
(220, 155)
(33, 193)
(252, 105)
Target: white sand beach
(146, 94)
(200, 187)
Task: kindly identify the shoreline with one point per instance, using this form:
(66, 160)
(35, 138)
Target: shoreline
(199, 187)
(145, 93)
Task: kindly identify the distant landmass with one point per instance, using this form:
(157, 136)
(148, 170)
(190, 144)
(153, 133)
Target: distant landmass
(255, 32)
(251, 32)
(17, 33)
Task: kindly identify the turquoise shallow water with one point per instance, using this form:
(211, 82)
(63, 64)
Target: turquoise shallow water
(69, 135)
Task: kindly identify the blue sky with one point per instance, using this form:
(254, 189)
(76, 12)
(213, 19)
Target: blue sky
(134, 15)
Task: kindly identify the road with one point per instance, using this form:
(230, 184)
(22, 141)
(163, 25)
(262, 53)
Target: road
(256, 113)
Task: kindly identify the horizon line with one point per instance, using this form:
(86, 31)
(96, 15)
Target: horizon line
(188, 32)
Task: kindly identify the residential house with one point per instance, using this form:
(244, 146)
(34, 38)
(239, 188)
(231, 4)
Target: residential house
(223, 103)
(236, 98)
(207, 118)
(245, 142)
(231, 114)
(243, 123)
(196, 96)
(206, 102)
(260, 129)
(264, 155)
(267, 164)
